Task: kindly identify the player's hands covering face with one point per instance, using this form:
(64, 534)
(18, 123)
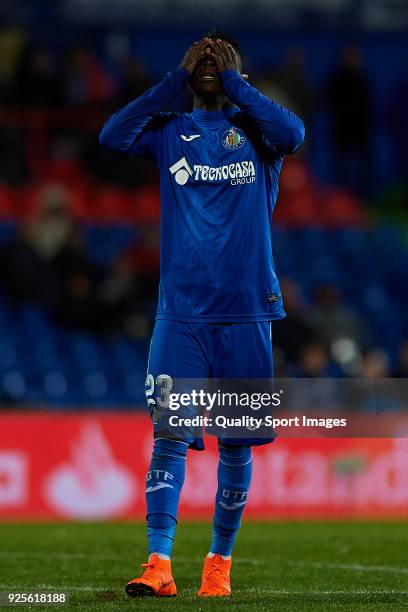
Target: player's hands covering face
(225, 56)
(194, 54)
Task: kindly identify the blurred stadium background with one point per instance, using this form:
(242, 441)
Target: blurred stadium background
(79, 239)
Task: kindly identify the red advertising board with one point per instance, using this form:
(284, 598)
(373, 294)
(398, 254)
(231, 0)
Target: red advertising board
(91, 465)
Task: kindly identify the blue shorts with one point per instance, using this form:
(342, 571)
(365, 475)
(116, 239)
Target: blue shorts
(208, 350)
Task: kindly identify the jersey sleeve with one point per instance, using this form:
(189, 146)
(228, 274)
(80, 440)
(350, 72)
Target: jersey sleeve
(137, 128)
(282, 131)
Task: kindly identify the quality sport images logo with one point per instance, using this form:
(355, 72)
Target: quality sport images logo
(238, 173)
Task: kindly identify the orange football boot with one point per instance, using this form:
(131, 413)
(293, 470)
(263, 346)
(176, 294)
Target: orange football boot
(156, 580)
(215, 580)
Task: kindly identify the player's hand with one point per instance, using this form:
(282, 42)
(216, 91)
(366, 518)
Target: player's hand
(225, 57)
(194, 54)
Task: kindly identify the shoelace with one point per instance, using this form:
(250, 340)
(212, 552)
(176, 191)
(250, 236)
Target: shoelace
(216, 569)
(148, 564)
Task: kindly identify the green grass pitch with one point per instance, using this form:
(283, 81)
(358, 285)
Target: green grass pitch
(285, 566)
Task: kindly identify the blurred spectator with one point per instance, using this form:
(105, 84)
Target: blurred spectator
(290, 335)
(13, 150)
(401, 370)
(346, 353)
(37, 78)
(332, 320)
(376, 364)
(76, 304)
(86, 81)
(145, 258)
(314, 362)
(117, 295)
(135, 80)
(11, 43)
(349, 100)
(51, 224)
(48, 264)
(103, 164)
(321, 390)
(28, 261)
(287, 84)
(292, 80)
(126, 298)
(268, 83)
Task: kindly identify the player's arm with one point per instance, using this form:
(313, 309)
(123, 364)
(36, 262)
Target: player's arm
(134, 129)
(282, 130)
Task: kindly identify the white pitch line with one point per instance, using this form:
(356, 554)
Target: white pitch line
(238, 561)
(59, 588)
(354, 567)
(79, 589)
(92, 589)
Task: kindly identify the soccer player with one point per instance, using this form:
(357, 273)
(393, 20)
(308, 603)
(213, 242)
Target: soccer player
(219, 171)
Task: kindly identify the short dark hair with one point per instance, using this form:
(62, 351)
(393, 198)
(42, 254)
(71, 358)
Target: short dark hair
(227, 38)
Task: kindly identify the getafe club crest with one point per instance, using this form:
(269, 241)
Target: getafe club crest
(233, 138)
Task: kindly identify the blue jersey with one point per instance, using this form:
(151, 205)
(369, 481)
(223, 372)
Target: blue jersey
(219, 174)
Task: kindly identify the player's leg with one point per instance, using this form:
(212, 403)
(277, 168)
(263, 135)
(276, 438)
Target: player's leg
(164, 482)
(174, 353)
(234, 478)
(247, 353)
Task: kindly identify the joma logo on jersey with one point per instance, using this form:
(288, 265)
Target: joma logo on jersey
(238, 173)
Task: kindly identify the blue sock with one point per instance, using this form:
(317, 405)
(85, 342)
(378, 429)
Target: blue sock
(234, 479)
(164, 482)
